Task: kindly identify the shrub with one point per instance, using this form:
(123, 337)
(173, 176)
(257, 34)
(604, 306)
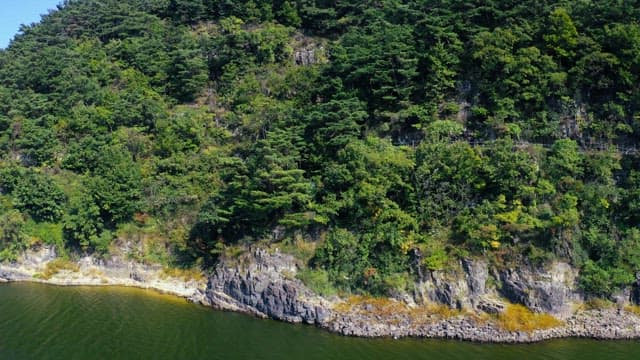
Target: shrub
(520, 318)
(187, 274)
(12, 239)
(48, 233)
(595, 280)
(634, 309)
(40, 197)
(317, 280)
(55, 266)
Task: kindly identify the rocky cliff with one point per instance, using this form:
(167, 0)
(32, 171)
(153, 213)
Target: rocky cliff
(463, 302)
(264, 283)
(92, 271)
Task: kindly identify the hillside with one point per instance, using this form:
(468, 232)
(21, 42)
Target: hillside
(369, 138)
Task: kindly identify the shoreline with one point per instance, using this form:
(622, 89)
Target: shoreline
(94, 272)
(410, 337)
(157, 290)
(259, 288)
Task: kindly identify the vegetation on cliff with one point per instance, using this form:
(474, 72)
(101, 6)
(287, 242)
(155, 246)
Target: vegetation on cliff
(386, 132)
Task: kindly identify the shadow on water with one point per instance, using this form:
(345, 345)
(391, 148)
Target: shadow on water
(48, 322)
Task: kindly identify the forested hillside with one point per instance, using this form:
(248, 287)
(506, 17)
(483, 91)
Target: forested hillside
(367, 135)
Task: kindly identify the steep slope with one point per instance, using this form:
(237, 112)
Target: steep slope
(376, 140)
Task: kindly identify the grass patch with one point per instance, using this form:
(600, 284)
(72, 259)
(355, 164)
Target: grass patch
(634, 309)
(374, 305)
(233, 251)
(188, 274)
(598, 304)
(150, 243)
(299, 248)
(388, 308)
(520, 318)
(47, 233)
(317, 280)
(94, 273)
(55, 266)
(438, 311)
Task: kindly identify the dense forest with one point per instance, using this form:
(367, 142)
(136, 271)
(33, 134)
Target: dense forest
(366, 135)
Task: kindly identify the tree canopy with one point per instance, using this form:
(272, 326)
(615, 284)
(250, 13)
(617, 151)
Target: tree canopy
(375, 130)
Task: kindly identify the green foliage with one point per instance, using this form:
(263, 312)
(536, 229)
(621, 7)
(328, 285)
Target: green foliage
(413, 132)
(117, 190)
(565, 160)
(35, 141)
(47, 233)
(562, 35)
(187, 70)
(595, 280)
(379, 61)
(39, 196)
(317, 280)
(12, 238)
(83, 226)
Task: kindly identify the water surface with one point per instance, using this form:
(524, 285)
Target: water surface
(47, 322)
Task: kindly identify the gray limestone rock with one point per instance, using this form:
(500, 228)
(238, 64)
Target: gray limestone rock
(490, 305)
(262, 283)
(552, 289)
(458, 288)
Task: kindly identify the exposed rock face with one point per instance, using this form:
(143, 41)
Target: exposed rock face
(94, 271)
(551, 290)
(490, 305)
(458, 288)
(264, 284)
(635, 290)
(306, 57)
(8, 275)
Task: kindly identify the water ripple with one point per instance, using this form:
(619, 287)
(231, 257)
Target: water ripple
(47, 322)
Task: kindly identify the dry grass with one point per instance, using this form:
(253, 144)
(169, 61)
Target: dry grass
(520, 318)
(298, 248)
(373, 305)
(634, 309)
(597, 304)
(94, 273)
(185, 274)
(387, 308)
(233, 251)
(441, 311)
(55, 266)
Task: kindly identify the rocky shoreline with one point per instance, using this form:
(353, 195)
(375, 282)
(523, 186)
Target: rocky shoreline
(96, 272)
(263, 283)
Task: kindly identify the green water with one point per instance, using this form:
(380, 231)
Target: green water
(47, 322)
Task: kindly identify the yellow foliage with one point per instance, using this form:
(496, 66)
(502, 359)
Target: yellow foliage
(597, 304)
(634, 309)
(185, 274)
(378, 306)
(298, 247)
(487, 232)
(509, 217)
(385, 307)
(55, 266)
(438, 311)
(520, 318)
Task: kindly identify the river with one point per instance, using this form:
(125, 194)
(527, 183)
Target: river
(49, 322)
